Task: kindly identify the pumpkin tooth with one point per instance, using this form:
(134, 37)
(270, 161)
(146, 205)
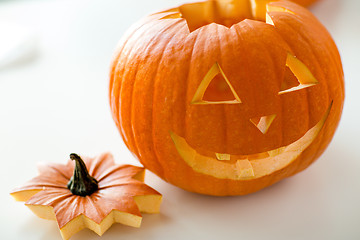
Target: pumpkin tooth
(276, 152)
(222, 156)
(244, 169)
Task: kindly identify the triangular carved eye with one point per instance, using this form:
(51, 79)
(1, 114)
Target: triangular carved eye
(215, 88)
(302, 74)
(263, 123)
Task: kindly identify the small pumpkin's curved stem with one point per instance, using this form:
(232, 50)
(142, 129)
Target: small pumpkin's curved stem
(81, 183)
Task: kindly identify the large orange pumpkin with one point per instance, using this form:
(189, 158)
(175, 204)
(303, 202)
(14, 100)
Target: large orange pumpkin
(227, 99)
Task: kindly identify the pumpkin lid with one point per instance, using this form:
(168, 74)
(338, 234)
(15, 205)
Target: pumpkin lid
(121, 195)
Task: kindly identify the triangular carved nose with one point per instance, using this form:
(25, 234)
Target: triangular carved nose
(263, 123)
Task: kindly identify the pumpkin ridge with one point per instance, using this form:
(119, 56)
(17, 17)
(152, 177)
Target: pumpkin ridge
(319, 66)
(141, 189)
(283, 76)
(38, 183)
(239, 33)
(224, 107)
(60, 211)
(99, 210)
(95, 166)
(299, 164)
(116, 57)
(107, 186)
(234, 33)
(305, 38)
(223, 118)
(40, 197)
(298, 20)
(45, 170)
(39, 186)
(117, 65)
(154, 94)
(131, 140)
(113, 72)
(144, 60)
(194, 125)
(126, 181)
(185, 106)
(281, 129)
(114, 169)
(281, 140)
(131, 134)
(280, 136)
(187, 79)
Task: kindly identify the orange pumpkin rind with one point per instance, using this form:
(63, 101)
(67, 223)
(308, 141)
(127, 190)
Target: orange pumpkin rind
(121, 196)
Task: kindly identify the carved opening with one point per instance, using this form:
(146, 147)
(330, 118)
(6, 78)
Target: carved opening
(224, 12)
(263, 123)
(244, 169)
(222, 156)
(215, 88)
(250, 166)
(300, 72)
(269, 9)
(290, 80)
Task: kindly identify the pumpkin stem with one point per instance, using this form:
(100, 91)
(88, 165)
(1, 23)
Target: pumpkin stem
(81, 183)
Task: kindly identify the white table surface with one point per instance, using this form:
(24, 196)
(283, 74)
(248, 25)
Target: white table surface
(55, 102)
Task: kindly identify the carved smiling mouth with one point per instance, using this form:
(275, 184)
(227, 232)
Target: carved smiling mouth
(250, 166)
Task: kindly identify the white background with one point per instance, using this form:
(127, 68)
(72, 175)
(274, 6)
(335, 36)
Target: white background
(54, 101)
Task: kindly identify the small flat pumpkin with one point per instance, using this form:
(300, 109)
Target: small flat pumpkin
(96, 198)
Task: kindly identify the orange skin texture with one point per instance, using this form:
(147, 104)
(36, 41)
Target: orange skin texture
(159, 64)
(117, 189)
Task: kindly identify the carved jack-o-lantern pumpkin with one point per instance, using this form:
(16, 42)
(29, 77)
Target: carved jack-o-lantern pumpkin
(227, 97)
